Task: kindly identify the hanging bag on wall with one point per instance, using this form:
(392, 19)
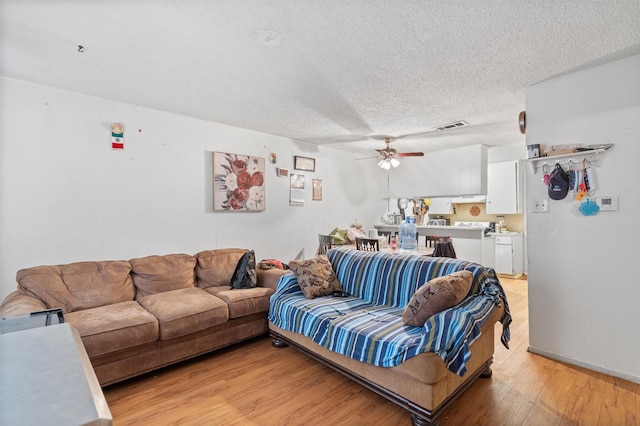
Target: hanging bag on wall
(558, 183)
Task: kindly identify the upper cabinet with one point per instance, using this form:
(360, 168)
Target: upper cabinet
(505, 185)
(448, 173)
(441, 206)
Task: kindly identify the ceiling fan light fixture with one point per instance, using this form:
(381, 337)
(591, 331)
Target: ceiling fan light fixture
(387, 163)
(384, 164)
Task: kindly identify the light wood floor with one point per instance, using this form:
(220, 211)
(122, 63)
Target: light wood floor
(255, 384)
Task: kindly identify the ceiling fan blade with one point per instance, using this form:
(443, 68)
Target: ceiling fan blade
(368, 158)
(410, 154)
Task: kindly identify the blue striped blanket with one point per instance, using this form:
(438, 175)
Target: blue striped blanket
(368, 326)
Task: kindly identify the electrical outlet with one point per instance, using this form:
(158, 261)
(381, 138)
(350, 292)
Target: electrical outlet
(540, 206)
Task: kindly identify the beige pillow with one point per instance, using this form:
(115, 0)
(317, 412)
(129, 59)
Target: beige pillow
(80, 285)
(315, 276)
(157, 274)
(437, 295)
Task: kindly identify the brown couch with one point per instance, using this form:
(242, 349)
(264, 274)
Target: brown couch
(138, 315)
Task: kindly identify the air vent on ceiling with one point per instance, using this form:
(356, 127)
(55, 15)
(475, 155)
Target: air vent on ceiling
(453, 125)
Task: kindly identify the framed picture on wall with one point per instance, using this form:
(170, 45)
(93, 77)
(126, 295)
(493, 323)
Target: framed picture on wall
(304, 163)
(296, 191)
(238, 182)
(317, 189)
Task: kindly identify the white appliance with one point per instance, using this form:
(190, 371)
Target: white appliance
(475, 250)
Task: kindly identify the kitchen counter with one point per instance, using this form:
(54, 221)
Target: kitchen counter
(439, 231)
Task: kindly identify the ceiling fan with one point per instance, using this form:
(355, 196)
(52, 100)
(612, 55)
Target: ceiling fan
(389, 156)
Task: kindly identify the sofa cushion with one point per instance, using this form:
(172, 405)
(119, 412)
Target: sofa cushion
(80, 285)
(245, 301)
(437, 295)
(156, 274)
(216, 267)
(185, 311)
(315, 276)
(114, 327)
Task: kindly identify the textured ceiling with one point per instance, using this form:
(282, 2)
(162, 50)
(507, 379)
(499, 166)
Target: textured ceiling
(325, 71)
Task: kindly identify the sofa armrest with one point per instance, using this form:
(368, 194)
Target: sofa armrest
(269, 277)
(17, 303)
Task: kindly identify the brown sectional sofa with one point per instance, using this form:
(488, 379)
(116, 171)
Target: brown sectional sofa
(138, 315)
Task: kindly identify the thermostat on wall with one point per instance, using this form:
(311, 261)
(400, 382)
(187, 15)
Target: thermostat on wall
(607, 204)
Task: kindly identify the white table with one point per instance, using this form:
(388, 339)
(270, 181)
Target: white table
(439, 231)
(46, 378)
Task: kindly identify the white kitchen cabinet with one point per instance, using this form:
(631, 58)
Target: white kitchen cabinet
(505, 185)
(509, 254)
(448, 173)
(441, 206)
(478, 250)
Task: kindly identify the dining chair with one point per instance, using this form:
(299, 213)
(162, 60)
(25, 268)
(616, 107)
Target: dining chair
(444, 248)
(368, 244)
(325, 243)
(386, 234)
(430, 240)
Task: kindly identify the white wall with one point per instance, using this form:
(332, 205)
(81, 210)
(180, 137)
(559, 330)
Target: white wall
(66, 196)
(517, 151)
(584, 285)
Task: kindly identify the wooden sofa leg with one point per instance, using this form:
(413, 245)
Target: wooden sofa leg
(487, 373)
(277, 343)
(419, 421)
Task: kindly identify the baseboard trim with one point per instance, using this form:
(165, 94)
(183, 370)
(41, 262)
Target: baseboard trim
(588, 366)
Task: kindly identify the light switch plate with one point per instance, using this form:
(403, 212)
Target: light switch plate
(540, 206)
(607, 204)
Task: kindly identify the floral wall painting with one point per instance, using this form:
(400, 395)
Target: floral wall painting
(317, 189)
(297, 190)
(238, 182)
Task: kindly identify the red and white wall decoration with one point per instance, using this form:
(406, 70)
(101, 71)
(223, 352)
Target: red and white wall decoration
(117, 136)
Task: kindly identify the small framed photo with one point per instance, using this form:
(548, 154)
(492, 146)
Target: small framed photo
(317, 189)
(282, 172)
(304, 163)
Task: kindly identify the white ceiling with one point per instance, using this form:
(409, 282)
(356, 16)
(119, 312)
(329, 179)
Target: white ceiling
(324, 71)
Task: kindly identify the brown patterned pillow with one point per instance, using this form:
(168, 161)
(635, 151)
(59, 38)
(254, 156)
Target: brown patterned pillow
(437, 295)
(315, 276)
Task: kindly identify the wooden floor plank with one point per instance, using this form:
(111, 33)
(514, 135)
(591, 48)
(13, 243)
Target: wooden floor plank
(253, 383)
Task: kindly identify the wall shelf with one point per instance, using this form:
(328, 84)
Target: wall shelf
(592, 157)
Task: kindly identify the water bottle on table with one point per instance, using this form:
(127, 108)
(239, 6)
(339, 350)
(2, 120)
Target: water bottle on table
(408, 235)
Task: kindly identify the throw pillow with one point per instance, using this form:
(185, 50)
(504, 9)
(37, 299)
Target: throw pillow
(435, 296)
(244, 275)
(315, 276)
